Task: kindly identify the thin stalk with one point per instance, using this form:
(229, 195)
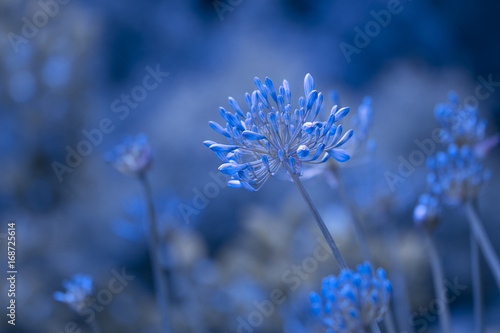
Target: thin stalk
(322, 226)
(438, 278)
(401, 307)
(389, 322)
(476, 284)
(483, 241)
(375, 328)
(159, 281)
(94, 326)
(356, 217)
(357, 221)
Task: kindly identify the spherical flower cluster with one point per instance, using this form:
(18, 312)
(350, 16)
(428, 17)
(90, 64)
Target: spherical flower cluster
(353, 301)
(78, 292)
(427, 212)
(456, 175)
(270, 138)
(132, 157)
(460, 123)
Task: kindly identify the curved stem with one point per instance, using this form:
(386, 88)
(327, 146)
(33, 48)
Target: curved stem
(476, 284)
(438, 278)
(322, 226)
(159, 281)
(483, 241)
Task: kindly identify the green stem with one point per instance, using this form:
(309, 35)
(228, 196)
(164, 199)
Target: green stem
(322, 226)
(438, 278)
(483, 241)
(158, 276)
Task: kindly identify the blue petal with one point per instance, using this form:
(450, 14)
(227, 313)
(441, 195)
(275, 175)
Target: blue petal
(308, 84)
(231, 168)
(261, 87)
(219, 129)
(345, 138)
(208, 143)
(223, 148)
(270, 88)
(234, 183)
(311, 98)
(249, 135)
(235, 106)
(341, 113)
(303, 151)
(339, 155)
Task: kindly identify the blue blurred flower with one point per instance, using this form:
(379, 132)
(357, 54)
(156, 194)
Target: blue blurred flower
(460, 123)
(132, 157)
(268, 138)
(427, 211)
(78, 292)
(353, 301)
(457, 174)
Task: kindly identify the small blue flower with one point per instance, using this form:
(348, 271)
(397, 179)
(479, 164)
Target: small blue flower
(78, 292)
(352, 301)
(132, 156)
(456, 175)
(428, 211)
(270, 138)
(460, 124)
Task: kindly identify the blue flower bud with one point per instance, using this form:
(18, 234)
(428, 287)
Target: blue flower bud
(249, 135)
(270, 87)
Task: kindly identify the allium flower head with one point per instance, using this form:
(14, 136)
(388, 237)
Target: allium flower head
(353, 301)
(460, 123)
(427, 212)
(457, 174)
(78, 292)
(132, 157)
(269, 138)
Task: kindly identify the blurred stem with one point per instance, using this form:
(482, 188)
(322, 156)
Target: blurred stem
(94, 326)
(476, 284)
(483, 241)
(401, 296)
(355, 215)
(438, 278)
(159, 280)
(401, 300)
(357, 222)
(389, 322)
(375, 328)
(322, 226)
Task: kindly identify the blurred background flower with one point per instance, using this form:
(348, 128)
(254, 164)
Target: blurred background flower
(77, 76)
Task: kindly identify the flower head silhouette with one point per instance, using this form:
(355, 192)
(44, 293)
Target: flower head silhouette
(132, 157)
(269, 138)
(353, 301)
(78, 292)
